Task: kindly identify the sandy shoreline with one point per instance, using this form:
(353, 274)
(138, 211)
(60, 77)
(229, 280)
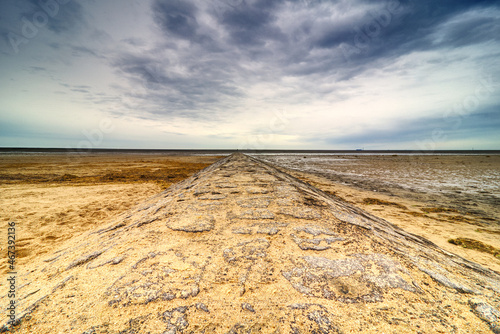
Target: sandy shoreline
(53, 198)
(415, 193)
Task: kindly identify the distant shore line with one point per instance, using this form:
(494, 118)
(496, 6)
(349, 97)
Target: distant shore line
(14, 150)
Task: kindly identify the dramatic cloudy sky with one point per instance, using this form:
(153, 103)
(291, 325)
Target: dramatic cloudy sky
(304, 74)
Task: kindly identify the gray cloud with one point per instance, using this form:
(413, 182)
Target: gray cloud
(176, 17)
(252, 23)
(206, 61)
(215, 62)
(426, 132)
(61, 17)
(175, 93)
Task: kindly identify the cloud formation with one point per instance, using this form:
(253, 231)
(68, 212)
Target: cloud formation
(387, 74)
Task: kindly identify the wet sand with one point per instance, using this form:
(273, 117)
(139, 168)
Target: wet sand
(439, 197)
(53, 198)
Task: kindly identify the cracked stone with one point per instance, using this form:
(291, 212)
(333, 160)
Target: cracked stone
(84, 259)
(302, 213)
(349, 280)
(315, 230)
(254, 203)
(257, 214)
(141, 285)
(212, 197)
(487, 313)
(249, 250)
(198, 224)
(258, 190)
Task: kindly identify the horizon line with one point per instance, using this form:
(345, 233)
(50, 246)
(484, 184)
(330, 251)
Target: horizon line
(226, 150)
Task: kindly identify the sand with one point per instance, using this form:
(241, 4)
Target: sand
(439, 197)
(244, 248)
(53, 198)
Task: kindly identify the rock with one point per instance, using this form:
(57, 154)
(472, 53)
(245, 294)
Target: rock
(350, 280)
(255, 202)
(247, 307)
(314, 243)
(203, 307)
(258, 228)
(62, 284)
(213, 197)
(242, 230)
(315, 230)
(487, 313)
(196, 224)
(258, 190)
(248, 250)
(226, 185)
(256, 214)
(302, 213)
(84, 259)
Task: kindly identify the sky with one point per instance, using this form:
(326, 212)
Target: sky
(250, 74)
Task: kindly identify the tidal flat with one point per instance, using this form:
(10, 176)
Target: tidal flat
(444, 198)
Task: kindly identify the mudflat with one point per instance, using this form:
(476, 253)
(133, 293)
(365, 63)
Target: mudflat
(54, 197)
(451, 200)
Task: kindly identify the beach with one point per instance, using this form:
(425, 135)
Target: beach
(441, 197)
(55, 197)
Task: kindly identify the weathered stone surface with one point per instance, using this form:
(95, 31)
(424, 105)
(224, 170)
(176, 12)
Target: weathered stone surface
(258, 190)
(259, 228)
(257, 214)
(248, 250)
(315, 230)
(301, 212)
(258, 202)
(84, 259)
(314, 317)
(487, 313)
(243, 230)
(350, 280)
(315, 242)
(241, 247)
(203, 307)
(226, 185)
(213, 197)
(155, 277)
(247, 307)
(176, 320)
(195, 224)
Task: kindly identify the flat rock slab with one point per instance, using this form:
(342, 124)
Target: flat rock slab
(301, 212)
(241, 247)
(258, 202)
(196, 223)
(257, 214)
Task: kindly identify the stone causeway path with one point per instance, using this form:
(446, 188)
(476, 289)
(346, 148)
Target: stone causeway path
(241, 247)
